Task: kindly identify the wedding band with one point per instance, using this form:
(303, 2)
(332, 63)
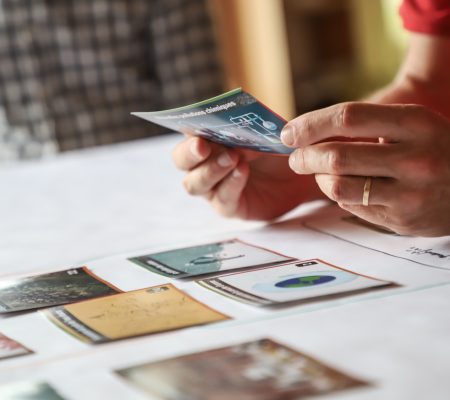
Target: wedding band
(366, 192)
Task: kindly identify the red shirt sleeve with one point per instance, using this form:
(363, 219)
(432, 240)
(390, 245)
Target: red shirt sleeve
(426, 16)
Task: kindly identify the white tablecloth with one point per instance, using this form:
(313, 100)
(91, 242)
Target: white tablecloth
(118, 199)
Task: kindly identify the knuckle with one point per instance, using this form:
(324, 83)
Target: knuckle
(347, 115)
(176, 158)
(337, 192)
(422, 167)
(189, 186)
(337, 160)
(224, 209)
(419, 116)
(204, 178)
(306, 129)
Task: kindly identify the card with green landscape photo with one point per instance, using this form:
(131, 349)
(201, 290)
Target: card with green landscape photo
(55, 288)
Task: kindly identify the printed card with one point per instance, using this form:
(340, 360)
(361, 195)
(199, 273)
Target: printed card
(299, 281)
(28, 391)
(233, 119)
(51, 289)
(10, 348)
(140, 312)
(208, 259)
(259, 370)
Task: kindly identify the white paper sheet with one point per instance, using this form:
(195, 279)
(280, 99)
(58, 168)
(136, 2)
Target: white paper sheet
(127, 200)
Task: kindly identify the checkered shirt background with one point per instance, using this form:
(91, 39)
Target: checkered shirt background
(71, 71)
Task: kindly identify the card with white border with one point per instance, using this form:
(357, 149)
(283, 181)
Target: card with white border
(293, 282)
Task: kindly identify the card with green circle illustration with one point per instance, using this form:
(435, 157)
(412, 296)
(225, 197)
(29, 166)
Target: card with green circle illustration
(293, 282)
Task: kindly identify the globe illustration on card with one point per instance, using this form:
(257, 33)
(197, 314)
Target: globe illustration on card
(305, 281)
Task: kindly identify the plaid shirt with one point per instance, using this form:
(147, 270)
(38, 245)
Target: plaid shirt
(71, 71)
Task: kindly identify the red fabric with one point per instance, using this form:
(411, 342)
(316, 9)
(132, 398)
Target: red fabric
(426, 16)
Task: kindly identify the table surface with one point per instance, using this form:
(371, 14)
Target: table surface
(86, 205)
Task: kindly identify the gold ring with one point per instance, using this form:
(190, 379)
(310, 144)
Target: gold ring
(366, 192)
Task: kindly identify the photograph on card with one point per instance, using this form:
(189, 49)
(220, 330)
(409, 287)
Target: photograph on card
(136, 313)
(258, 370)
(234, 119)
(9, 348)
(25, 390)
(209, 258)
(55, 288)
(289, 283)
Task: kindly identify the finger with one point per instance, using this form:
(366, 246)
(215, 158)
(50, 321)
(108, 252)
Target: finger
(191, 152)
(349, 190)
(363, 159)
(353, 120)
(202, 179)
(226, 198)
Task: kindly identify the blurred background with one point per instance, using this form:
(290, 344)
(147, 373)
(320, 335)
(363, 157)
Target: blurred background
(299, 55)
(72, 71)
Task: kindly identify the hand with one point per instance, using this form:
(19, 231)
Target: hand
(408, 158)
(241, 183)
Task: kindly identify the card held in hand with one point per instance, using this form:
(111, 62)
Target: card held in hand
(136, 313)
(233, 119)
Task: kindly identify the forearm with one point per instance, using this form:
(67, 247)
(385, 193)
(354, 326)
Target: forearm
(423, 77)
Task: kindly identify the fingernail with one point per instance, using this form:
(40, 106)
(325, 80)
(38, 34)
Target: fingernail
(224, 160)
(236, 173)
(193, 147)
(287, 135)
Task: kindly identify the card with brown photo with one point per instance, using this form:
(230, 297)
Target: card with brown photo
(259, 370)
